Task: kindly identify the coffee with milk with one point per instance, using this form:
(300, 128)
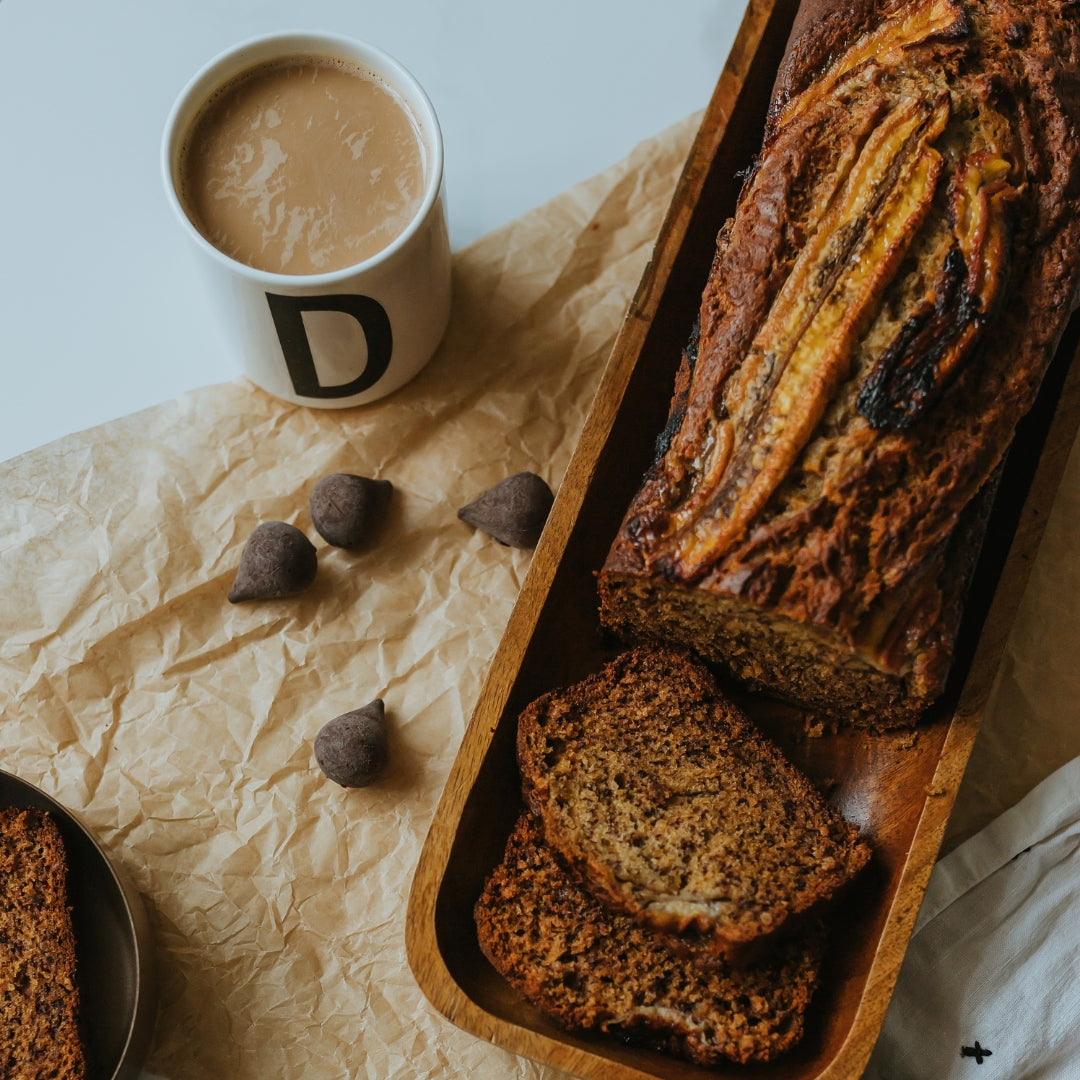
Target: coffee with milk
(303, 165)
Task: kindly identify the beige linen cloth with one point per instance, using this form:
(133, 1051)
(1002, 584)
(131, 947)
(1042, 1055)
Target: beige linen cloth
(990, 977)
(181, 726)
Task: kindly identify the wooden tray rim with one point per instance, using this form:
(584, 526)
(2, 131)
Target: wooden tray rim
(429, 969)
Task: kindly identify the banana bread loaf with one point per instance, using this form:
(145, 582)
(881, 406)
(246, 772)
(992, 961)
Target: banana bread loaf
(880, 312)
(588, 968)
(670, 806)
(39, 999)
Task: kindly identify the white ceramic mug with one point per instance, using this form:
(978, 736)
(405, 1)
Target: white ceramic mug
(348, 336)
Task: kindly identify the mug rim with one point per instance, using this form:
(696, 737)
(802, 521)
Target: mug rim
(254, 51)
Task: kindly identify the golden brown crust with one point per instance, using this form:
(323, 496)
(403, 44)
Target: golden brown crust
(886, 301)
(38, 993)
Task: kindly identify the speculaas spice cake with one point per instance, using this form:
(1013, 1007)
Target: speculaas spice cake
(880, 312)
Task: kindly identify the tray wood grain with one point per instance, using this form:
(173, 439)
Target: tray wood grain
(898, 788)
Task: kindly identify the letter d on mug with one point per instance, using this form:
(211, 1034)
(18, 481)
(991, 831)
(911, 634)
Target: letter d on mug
(308, 171)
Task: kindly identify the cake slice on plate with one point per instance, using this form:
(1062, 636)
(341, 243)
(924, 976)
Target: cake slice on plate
(39, 998)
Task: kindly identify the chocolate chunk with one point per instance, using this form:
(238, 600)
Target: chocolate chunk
(348, 509)
(277, 560)
(352, 748)
(513, 511)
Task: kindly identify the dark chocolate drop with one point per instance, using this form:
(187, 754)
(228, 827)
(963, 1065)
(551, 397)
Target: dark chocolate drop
(278, 560)
(513, 511)
(352, 748)
(347, 510)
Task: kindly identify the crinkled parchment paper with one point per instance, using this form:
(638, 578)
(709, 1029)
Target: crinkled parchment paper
(181, 726)
(1031, 726)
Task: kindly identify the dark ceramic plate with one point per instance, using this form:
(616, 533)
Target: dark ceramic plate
(113, 943)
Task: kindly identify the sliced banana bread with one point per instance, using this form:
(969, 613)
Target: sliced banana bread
(674, 808)
(39, 1000)
(588, 968)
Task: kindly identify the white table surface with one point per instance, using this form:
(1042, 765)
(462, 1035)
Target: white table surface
(100, 310)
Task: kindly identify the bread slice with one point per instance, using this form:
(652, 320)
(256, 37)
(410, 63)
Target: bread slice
(39, 999)
(673, 808)
(586, 967)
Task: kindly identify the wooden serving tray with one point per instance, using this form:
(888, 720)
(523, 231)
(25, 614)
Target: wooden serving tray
(898, 788)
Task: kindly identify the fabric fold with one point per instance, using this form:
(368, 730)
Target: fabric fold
(990, 975)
